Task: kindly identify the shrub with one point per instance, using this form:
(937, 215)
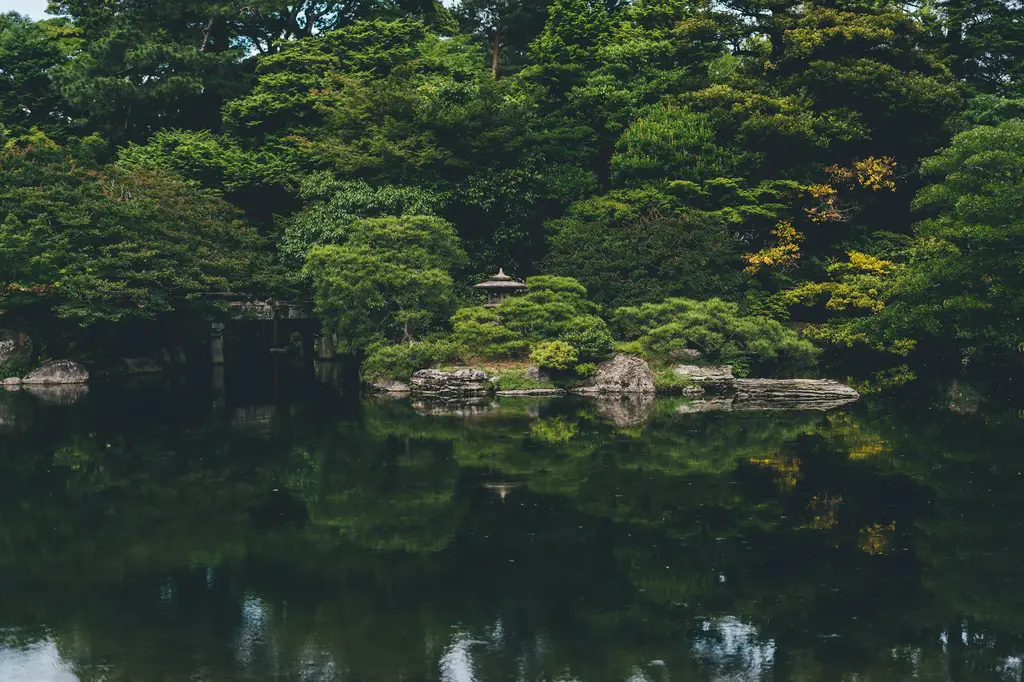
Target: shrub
(716, 329)
(589, 335)
(399, 361)
(554, 308)
(557, 355)
(586, 369)
(667, 381)
(480, 330)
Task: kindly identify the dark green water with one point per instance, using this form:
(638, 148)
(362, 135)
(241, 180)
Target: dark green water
(290, 533)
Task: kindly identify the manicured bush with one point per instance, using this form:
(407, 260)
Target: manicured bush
(399, 361)
(554, 308)
(715, 328)
(557, 355)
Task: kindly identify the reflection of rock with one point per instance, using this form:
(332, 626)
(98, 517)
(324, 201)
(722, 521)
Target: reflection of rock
(16, 413)
(621, 374)
(963, 398)
(15, 349)
(58, 394)
(533, 391)
(626, 410)
(388, 386)
(142, 365)
(451, 385)
(254, 418)
(709, 376)
(710, 405)
(454, 408)
(58, 372)
(792, 394)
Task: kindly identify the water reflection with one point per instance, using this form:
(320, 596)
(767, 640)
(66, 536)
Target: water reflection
(294, 534)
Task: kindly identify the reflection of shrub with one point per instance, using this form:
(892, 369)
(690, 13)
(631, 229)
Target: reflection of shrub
(399, 361)
(557, 355)
(556, 430)
(715, 328)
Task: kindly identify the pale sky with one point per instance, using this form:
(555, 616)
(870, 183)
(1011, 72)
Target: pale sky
(34, 8)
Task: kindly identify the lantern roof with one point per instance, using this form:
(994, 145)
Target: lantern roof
(500, 281)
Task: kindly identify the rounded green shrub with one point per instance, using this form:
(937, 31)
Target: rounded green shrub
(557, 355)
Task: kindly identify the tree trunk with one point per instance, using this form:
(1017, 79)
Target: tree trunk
(495, 50)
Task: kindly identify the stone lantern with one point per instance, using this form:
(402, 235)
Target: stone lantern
(498, 288)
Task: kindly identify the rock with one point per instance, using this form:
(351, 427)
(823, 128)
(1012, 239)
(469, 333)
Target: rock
(687, 354)
(533, 391)
(626, 409)
(388, 386)
(708, 377)
(621, 374)
(178, 356)
(58, 394)
(15, 349)
(791, 394)
(534, 372)
(12, 381)
(58, 372)
(141, 365)
(16, 413)
(451, 385)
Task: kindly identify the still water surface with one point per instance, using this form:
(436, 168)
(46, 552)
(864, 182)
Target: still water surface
(287, 532)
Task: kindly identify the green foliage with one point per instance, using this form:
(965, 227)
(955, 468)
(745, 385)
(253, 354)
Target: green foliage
(332, 206)
(670, 144)
(390, 280)
(108, 244)
(556, 355)
(553, 309)
(632, 246)
(517, 379)
(714, 327)
(398, 361)
(666, 380)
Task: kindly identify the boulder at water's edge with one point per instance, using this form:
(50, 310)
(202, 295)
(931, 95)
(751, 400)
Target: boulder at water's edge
(58, 372)
(621, 374)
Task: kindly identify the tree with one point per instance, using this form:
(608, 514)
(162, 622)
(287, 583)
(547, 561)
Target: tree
(30, 52)
(92, 243)
(389, 281)
(957, 285)
(631, 246)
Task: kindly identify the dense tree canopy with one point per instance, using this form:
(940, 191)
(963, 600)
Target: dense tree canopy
(761, 152)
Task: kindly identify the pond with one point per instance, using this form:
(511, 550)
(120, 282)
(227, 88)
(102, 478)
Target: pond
(285, 530)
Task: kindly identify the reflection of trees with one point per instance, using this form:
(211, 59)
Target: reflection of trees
(740, 545)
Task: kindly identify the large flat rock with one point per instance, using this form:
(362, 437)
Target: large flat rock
(451, 385)
(793, 394)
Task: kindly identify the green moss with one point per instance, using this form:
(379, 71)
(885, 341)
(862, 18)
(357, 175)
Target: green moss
(667, 381)
(516, 379)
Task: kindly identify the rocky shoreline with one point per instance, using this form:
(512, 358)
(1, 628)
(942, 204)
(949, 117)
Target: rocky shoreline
(712, 387)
